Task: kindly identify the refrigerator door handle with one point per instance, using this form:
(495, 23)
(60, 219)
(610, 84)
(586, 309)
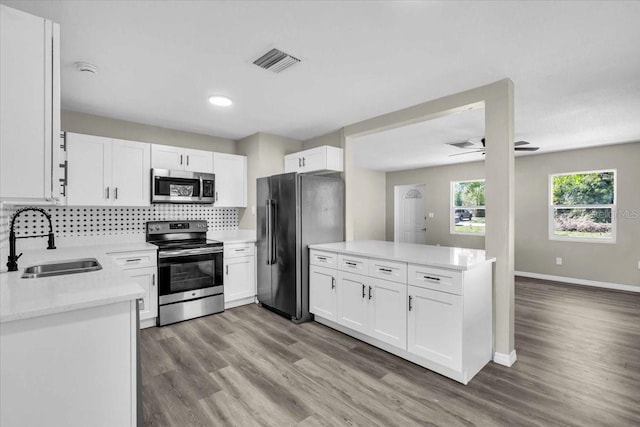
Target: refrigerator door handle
(274, 221)
(269, 231)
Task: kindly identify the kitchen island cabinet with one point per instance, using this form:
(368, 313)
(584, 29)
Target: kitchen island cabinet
(428, 304)
(68, 344)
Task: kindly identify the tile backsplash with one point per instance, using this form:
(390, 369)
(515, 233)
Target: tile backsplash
(110, 221)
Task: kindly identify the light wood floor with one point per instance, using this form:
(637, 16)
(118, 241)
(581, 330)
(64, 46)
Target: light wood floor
(578, 364)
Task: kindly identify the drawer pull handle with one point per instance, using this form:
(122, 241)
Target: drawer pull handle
(352, 264)
(363, 287)
(436, 279)
(240, 250)
(410, 306)
(321, 258)
(134, 259)
(385, 270)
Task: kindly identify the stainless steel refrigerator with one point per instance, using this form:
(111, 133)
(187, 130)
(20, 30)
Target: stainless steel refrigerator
(294, 211)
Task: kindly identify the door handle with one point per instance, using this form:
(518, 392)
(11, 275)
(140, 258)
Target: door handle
(187, 160)
(268, 219)
(201, 186)
(115, 193)
(299, 162)
(363, 287)
(153, 279)
(410, 306)
(180, 158)
(107, 192)
(303, 165)
(333, 282)
(369, 292)
(226, 270)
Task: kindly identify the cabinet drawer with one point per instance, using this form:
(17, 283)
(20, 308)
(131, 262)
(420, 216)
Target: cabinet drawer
(238, 249)
(128, 260)
(354, 264)
(437, 279)
(323, 259)
(388, 270)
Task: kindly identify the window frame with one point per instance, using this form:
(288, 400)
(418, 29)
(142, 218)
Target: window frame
(613, 207)
(452, 208)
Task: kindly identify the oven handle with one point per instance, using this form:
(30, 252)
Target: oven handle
(188, 252)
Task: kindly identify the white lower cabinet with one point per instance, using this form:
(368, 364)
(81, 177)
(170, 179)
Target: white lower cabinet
(436, 317)
(323, 299)
(435, 326)
(239, 274)
(141, 266)
(388, 311)
(353, 306)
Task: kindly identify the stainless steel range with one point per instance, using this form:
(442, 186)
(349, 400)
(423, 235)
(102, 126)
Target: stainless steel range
(189, 270)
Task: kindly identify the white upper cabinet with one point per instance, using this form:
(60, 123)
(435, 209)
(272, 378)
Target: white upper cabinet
(231, 180)
(178, 158)
(29, 108)
(324, 159)
(107, 172)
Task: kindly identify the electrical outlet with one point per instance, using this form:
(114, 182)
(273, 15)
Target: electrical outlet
(558, 261)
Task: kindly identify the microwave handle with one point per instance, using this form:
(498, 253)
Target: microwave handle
(201, 189)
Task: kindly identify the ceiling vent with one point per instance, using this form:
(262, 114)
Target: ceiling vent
(276, 60)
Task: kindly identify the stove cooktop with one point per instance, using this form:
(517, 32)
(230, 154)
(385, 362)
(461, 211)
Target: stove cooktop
(185, 244)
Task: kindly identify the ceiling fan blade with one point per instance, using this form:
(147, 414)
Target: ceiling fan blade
(461, 144)
(526, 148)
(520, 143)
(467, 152)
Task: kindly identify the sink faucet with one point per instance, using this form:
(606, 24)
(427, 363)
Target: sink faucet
(12, 263)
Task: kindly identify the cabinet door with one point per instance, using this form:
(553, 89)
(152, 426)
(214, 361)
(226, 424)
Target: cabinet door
(28, 111)
(388, 311)
(89, 170)
(198, 160)
(131, 165)
(435, 326)
(167, 157)
(314, 159)
(231, 180)
(352, 303)
(292, 163)
(323, 300)
(239, 279)
(146, 278)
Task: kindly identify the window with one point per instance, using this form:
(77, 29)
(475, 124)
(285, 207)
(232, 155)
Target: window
(582, 206)
(467, 207)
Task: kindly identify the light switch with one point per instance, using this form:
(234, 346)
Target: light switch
(431, 215)
(253, 209)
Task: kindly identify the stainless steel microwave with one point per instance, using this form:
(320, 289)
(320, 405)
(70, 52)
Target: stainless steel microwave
(172, 186)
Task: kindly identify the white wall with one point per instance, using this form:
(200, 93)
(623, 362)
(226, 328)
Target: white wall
(534, 252)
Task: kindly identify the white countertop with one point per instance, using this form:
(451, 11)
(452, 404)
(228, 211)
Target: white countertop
(435, 256)
(27, 298)
(233, 236)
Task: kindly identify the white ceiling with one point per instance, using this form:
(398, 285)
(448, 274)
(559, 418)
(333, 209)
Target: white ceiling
(575, 65)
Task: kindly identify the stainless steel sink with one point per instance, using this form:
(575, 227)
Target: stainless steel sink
(58, 268)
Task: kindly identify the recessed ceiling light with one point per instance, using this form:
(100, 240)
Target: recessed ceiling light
(220, 101)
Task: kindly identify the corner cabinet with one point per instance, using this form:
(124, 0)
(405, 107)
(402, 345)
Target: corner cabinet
(178, 158)
(324, 159)
(107, 172)
(141, 266)
(29, 108)
(239, 274)
(438, 318)
(231, 180)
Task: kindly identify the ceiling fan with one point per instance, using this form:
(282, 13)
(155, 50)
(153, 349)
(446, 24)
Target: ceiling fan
(517, 146)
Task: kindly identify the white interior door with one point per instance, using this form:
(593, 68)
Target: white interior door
(410, 213)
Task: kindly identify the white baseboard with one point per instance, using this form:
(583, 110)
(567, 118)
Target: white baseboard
(505, 359)
(239, 302)
(584, 282)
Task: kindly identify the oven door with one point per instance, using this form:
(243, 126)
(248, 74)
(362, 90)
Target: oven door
(187, 276)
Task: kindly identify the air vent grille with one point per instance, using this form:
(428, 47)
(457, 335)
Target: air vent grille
(276, 60)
